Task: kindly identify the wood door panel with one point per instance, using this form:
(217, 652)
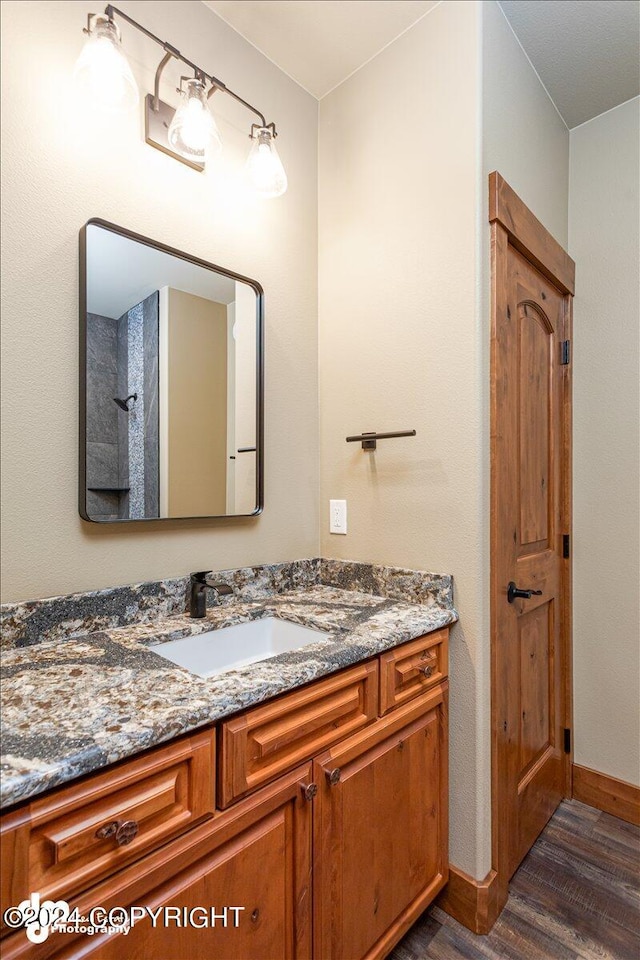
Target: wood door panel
(380, 831)
(532, 283)
(536, 704)
(232, 876)
(533, 398)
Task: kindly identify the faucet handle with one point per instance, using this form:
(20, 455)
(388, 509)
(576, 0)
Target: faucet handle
(201, 577)
(221, 589)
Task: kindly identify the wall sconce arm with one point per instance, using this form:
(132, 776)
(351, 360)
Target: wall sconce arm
(169, 55)
(171, 51)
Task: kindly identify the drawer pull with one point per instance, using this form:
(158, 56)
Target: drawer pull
(333, 776)
(108, 830)
(426, 671)
(309, 791)
(123, 830)
(126, 832)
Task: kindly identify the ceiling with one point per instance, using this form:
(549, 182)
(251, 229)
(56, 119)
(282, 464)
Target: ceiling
(319, 43)
(122, 272)
(585, 51)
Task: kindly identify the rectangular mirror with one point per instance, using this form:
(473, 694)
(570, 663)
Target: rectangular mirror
(171, 369)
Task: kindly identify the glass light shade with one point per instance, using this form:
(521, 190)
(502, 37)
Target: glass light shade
(193, 132)
(102, 71)
(264, 166)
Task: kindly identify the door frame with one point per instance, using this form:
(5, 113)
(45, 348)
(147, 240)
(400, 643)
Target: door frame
(513, 223)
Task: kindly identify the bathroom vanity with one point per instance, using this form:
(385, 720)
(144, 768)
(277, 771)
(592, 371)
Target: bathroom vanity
(320, 810)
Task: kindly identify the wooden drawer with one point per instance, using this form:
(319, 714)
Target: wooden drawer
(67, 841)
(257, 854)
(262, 743)
(409, 670)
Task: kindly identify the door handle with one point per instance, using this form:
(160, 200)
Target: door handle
(514, 593)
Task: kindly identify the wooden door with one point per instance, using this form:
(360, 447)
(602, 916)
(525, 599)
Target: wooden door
(530, 518)
(380, 830)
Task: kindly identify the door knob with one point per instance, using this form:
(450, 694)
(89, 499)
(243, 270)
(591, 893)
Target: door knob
(514, 593)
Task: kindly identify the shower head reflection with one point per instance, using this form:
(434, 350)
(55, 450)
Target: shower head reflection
(124, 404)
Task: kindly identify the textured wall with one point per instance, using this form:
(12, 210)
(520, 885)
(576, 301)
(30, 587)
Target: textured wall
(399, 343)
(59, 168)
(603, 239)
(523, 135)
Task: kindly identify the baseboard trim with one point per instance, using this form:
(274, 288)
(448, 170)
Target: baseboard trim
(476, 904)
(605, 793)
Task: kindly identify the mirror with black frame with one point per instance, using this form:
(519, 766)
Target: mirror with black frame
(170, 383)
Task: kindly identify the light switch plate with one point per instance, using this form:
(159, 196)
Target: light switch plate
(337, 516)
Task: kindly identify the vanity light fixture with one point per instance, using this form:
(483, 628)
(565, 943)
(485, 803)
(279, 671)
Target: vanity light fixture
(193, 132)
(264, 166)
(102, 71)
(188, 133)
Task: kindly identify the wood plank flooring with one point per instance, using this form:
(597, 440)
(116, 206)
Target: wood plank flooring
(576, 896)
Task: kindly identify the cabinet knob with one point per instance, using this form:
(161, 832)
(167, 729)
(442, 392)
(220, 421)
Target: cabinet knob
(333, 776)
(426, 671)
(108, 830)
(124, 831)
(309, 790)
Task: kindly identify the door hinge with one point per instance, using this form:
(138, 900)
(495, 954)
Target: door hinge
(567, 740)
(566, 545)
(565, 351)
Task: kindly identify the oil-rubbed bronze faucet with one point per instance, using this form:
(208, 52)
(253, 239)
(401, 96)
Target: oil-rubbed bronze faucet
(198, 592)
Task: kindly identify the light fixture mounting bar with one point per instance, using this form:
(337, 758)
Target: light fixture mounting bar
(171, 51)
(169, 55)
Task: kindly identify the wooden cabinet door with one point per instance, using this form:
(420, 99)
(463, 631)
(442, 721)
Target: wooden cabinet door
(265, 869)
(256, 856)
(380, 830)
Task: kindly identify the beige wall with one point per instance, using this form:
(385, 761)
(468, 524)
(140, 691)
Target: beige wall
(603, 235)
(404, 324)
(197, 384)
(60, 168)
(523, 135)
(399, 344)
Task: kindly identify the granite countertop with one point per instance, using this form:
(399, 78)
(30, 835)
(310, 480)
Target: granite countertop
(72, 707)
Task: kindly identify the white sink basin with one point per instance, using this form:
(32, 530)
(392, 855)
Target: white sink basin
(232, 647)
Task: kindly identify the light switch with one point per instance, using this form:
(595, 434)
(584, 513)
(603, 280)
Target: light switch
(337, 516)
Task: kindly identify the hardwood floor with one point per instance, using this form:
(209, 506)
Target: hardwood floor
(576, 896)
